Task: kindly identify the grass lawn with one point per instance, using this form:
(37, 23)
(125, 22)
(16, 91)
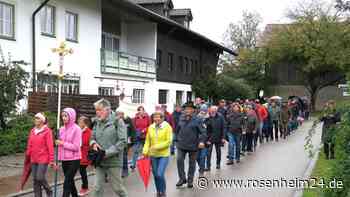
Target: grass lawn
(320, 171)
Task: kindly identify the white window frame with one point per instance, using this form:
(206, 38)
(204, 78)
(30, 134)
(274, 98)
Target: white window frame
(7, 21)
(138, 96)
(71, 36)
(111, 36)
(48, 22)
(105, 91)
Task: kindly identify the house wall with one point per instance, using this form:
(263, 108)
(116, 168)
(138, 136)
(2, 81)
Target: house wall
(86, 57)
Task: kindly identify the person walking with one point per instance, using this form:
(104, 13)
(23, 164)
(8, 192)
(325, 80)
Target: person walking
(285, 117)
(330, 118)
(176, 116)
(141, 123)
(275, 114)
(131, 134)
(216, 136)
(40, 150)
(157, 147)
(110, 136)
(190, 137)
(252, 123)
(203, 152)
(235, 122)
(69, 150)
(84, 124)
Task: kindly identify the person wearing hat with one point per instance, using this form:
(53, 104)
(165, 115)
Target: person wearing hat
(40, 150)
(190, 137)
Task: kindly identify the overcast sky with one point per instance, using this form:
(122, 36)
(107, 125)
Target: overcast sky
(211, 18)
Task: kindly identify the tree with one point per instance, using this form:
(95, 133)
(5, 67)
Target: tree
(343, 5)
(13, 83)
(317, 42)
(239, 36)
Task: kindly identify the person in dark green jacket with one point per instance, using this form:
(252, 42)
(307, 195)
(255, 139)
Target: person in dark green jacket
(110, 135)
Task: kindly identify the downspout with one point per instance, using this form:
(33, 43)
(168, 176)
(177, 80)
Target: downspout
(34, 42)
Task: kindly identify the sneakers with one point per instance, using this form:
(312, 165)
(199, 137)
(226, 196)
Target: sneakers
(83, 192)
(229, 162)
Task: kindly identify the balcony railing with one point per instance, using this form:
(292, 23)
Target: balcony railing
(115, 62)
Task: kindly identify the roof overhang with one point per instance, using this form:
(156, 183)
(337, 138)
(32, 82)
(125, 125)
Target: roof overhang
(138, 9)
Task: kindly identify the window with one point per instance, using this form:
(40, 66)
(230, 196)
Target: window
(189, 96)
(179, 95)
(71, 26)
(170, 61)
(138, 96)
(159, 58)
(48, 20)
(181, 64)
(191, 66)
(110, 41)
(163, 97)
(105, 91)
(7, 20)
(186, 65)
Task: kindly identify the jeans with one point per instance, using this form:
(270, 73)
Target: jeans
(39, 180)
(84, 177)
(136, 149)
(159, 165)
(234, 146)
(115, 179)
(328, 149)
(218, 154)
(181, 154)
(201, 156)
(70, 168)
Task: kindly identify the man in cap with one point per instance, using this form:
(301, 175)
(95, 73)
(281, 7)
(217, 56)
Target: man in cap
(190, 137)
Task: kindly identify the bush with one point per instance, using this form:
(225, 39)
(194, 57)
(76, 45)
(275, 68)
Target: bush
(14, 138)
(340, 168)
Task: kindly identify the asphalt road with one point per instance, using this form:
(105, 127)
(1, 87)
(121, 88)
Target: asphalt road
(272, 163)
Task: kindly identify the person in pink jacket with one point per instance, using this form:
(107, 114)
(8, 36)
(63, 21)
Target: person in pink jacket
(69, 151)
(40, 150)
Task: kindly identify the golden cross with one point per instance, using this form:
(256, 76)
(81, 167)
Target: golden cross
(62, 51)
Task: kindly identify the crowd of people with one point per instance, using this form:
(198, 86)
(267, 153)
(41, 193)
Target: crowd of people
(193, 129)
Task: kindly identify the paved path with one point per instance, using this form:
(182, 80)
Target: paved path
(285, 159)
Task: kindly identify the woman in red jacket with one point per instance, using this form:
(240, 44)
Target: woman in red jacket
(141, 123)
(84, 124)
(40, 150)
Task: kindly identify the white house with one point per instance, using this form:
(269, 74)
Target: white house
(118, 48)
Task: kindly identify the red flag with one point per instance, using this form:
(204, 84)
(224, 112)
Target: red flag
(144, 167)
(27, 169)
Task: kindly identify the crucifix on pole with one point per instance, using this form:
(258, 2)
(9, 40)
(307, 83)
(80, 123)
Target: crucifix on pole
(62, 51)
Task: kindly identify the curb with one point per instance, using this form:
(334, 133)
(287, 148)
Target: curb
(312, 163)
(29, 191)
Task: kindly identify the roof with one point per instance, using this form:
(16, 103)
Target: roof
(164, 20)
(153, 2)
(148, 1)
(181, 12)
